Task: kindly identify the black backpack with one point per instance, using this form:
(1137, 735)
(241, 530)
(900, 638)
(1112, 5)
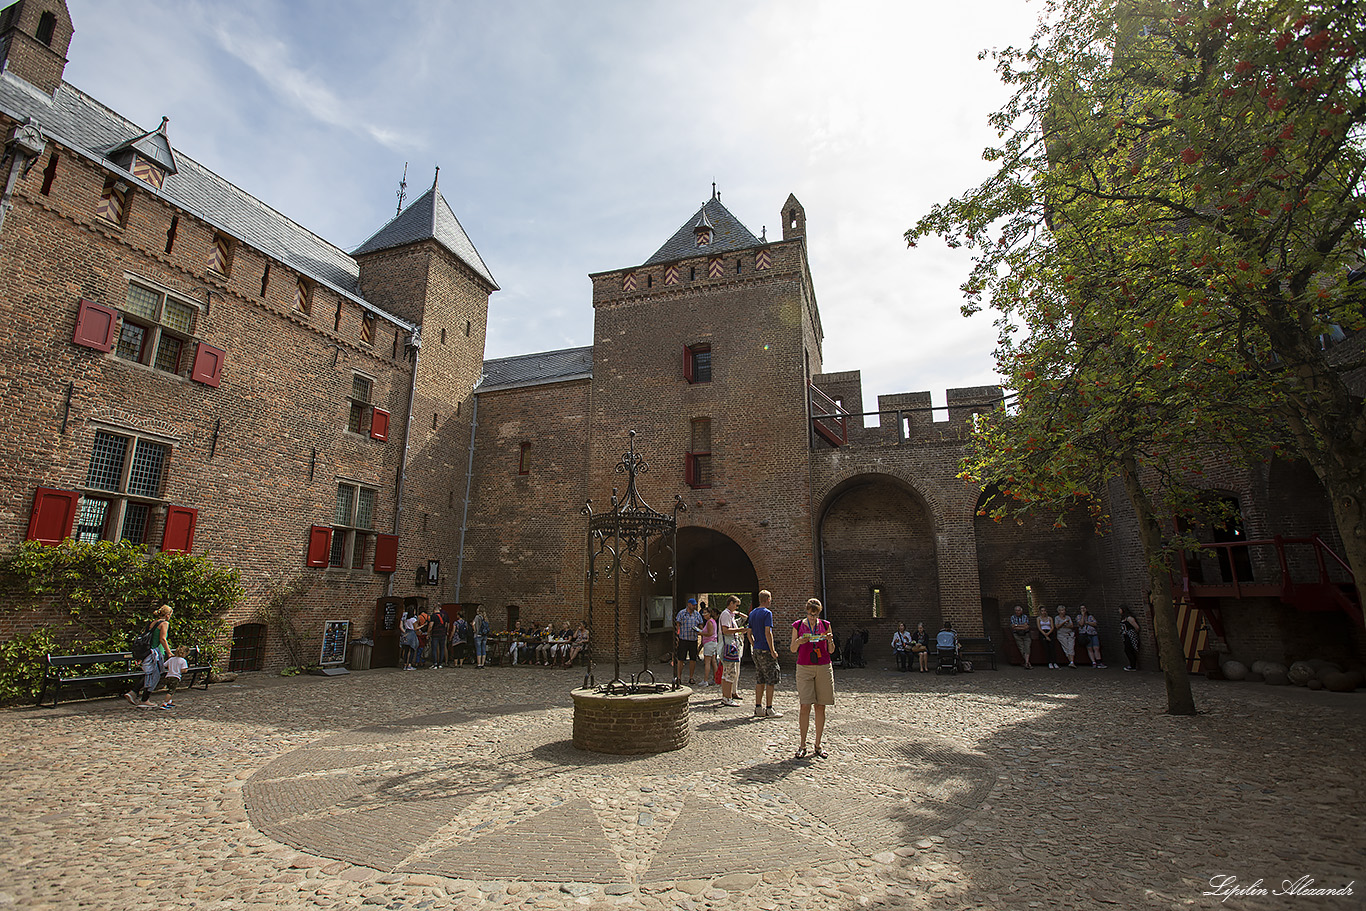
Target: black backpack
(141, 646)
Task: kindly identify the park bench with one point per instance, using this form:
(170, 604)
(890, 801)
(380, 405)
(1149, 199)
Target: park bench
(978, 649)
(100, 672)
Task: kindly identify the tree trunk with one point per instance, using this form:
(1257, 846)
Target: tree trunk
(1180, 700)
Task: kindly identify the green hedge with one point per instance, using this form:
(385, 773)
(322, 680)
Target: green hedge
(102, 594)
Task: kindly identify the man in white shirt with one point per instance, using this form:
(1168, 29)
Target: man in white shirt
(732, 650)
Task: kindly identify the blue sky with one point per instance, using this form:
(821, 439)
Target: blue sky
(576, 138)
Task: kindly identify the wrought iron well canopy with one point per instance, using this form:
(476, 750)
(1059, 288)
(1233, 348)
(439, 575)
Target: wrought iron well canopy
(619, 540)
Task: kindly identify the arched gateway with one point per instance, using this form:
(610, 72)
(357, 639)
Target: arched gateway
(878, 557)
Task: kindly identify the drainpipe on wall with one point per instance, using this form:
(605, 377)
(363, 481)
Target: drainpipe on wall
(415, 343)
(465, 514)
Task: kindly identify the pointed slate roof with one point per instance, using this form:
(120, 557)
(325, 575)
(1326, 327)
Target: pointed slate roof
(154, 146)
(428, 218)
(727, 234)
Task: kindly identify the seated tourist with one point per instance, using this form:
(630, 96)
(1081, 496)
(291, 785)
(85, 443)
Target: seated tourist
(577, 644)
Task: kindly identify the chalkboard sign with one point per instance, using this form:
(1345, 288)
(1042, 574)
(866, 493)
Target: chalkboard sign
(390, 615)
(335, 636)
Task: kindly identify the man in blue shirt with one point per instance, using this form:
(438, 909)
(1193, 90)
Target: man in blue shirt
(685, 631)
(765, 657)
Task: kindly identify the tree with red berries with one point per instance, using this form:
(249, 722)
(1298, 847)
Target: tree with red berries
(1175, 218)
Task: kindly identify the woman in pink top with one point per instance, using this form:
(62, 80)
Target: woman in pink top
(711, 648)
(811, 640)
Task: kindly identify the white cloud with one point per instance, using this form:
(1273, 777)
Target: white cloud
(270, 59)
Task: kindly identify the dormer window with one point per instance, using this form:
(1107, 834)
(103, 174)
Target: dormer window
(702, 229)
(147, 157)
(147, 172)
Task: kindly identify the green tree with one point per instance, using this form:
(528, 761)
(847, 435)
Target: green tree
(1186, 176)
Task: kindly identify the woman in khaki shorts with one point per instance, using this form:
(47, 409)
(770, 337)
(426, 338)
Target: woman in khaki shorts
(811, 640)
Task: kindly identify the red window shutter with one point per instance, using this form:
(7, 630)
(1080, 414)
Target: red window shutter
(96, 326)
(178, 535)
(688, 373)
(208, 364)
(690, 470)
(54, 512)
(386, 553)
(379, 424)
(319, 545)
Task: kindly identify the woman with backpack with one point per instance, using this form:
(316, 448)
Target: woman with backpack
(481, 637)
(158, 648)
(460, 631)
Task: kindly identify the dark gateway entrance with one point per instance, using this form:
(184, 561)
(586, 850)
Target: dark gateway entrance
(709, 561)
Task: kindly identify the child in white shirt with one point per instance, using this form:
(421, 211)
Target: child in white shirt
(176, 665)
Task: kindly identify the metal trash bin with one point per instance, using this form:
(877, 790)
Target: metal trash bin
(361, 650)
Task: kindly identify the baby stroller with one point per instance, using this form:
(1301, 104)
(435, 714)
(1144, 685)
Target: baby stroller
(946, 643)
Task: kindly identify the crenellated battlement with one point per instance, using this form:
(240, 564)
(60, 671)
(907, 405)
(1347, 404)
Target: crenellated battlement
(900, 417)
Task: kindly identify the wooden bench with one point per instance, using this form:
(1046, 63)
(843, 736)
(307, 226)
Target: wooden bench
(978, 649)
(61, 671)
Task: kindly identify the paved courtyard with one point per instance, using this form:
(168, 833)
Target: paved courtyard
(458, 788)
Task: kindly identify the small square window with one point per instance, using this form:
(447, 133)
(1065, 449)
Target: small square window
(135, 486)
(697, 363)
(358, 420)
(156, 328)
(352, 527)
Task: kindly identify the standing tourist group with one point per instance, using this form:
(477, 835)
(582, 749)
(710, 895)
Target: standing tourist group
(722, 638)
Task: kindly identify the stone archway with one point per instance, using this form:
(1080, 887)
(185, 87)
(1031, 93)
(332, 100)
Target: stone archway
(878, 543)
(711, 561)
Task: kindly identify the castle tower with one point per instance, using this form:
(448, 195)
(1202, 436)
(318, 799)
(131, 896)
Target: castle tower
(423, 267)
(705, 351)
(34, 37)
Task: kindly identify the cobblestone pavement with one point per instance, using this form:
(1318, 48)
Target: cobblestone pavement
(457, 788)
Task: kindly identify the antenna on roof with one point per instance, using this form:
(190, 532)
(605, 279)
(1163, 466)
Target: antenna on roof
(436, 176)
(402, 189)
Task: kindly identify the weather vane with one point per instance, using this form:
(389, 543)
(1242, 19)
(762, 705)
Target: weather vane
(402, 189)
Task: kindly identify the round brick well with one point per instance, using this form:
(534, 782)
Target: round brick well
(630, 725)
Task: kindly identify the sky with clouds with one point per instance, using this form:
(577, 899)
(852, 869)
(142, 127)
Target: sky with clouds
(576, 138)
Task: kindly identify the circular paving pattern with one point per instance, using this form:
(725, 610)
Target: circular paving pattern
(502, 793)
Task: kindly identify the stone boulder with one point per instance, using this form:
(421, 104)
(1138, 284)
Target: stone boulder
(1234, 670)
(1276, 676)
(1260, 666)
(1300, 673)
(1357, 677)
(1314, 683)
(1320, 666)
